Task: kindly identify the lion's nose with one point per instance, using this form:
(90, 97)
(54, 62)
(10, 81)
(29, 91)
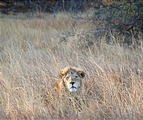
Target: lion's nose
(72, 83)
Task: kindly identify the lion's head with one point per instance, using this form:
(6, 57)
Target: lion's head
(70, 79)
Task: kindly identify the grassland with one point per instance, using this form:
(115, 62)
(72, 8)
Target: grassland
(33, 50)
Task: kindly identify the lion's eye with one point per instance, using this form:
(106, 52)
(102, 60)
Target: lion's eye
(76, 76)
(67, 77)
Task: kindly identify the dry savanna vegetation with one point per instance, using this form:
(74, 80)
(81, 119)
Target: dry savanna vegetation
(33, 50)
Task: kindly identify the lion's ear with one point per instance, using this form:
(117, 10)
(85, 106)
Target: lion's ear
(81, 74)
(60, 75)
(64, 71)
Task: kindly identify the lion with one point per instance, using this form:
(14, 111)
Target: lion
(69, 89)
(70, 80)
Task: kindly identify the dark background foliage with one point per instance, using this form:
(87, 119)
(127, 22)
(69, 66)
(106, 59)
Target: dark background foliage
(122, 18)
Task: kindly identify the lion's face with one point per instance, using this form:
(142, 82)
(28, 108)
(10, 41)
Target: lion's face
(72, 78)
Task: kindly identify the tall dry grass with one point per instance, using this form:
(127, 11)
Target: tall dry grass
(32, 51)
